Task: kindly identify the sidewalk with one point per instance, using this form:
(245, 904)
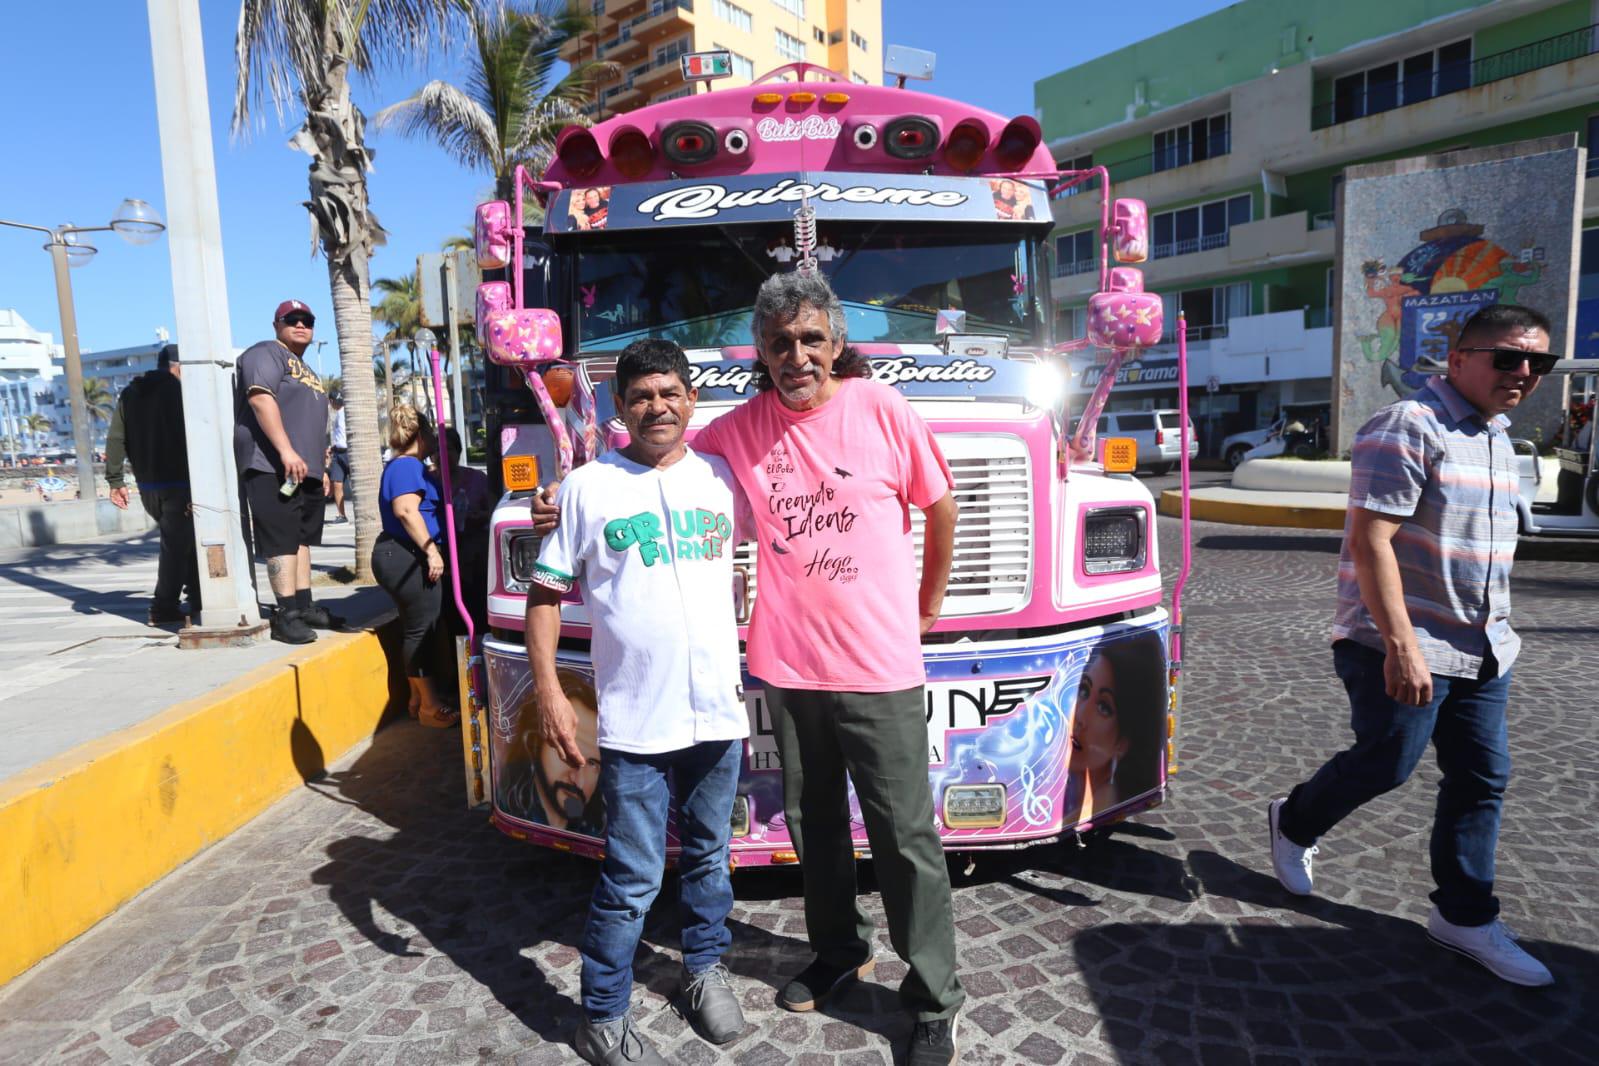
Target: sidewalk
(82, 662)
(126, 756)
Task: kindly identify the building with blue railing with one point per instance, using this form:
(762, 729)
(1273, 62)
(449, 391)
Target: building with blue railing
(1236, 127)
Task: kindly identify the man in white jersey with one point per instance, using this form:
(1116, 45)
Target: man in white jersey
(647, 534)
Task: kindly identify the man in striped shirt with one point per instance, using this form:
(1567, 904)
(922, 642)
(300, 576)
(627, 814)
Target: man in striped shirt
(1422, 638)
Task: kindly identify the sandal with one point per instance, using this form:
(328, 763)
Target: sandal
(440, 717)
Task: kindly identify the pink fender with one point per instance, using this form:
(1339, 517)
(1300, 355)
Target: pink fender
(1129, 230)
(492, 235)
(493, 300)
(1126, 316)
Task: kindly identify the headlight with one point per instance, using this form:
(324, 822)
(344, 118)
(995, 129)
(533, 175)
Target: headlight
(1113, 540)
(518, 552)
(741, 816)
(974, 806)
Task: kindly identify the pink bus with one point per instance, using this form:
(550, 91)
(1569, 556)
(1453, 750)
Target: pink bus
(1052, 674)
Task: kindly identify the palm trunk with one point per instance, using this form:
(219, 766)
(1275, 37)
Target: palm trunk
(334, 137)
(352, 314)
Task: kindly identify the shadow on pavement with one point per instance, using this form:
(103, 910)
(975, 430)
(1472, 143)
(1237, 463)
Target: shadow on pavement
(505, 913)
(1364, 987)
(1276, 542)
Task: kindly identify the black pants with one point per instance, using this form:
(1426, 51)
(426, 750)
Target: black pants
(178, 571)
(401, 568)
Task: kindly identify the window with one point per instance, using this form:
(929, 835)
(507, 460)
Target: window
(1075, 253)
(793, 7)
(790, 47)
(675, 94)
(1199, 228)
(668, 52)
(1082, 162)
(733, 15)
(742, 67)
(1409, 80)
(1071, 323)
(858, 80)
(1593, 146)
(857, 40)
(1203, 138)
(1206, 311)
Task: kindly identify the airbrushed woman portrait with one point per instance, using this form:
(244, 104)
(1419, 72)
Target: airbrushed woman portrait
(1115, 733)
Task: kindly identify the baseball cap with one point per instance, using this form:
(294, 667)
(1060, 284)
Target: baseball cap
(288, 307)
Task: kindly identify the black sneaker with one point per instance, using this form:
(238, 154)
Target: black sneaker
(289, 628)
(162, 616)
(932, 1043)
(317, 617)
(710, 1006)
(811, 987)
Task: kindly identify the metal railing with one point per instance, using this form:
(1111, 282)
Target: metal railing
(1169, 158)
(1455, 77)
(1067, 267)
(1191, 245)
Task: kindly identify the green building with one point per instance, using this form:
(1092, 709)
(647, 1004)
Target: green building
(1235, 129)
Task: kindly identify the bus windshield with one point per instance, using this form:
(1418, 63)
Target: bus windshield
(697, 287)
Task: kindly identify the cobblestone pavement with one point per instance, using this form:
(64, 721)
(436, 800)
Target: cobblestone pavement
(370, 919)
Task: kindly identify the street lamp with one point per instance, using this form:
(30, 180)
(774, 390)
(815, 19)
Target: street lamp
(135, 222)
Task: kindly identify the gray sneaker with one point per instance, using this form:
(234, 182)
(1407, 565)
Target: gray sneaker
(710, 1006)
(614, 1043)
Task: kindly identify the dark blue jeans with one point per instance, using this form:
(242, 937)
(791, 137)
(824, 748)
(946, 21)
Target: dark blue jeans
(1466, 723)
(638, 790)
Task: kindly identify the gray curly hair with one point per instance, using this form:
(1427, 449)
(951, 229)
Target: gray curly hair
(781, 297)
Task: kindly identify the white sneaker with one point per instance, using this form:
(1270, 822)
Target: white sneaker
(1494, 946)
(1289, 861)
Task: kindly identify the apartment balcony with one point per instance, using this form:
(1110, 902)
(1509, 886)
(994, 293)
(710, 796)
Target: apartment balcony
(1270, 242)
(1537, 84)
(624, 48)
(1457, 77)
(621, 97)
(663, 19)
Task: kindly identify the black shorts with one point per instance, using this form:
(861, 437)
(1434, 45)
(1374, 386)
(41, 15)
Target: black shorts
(339, 466)
(283, 525)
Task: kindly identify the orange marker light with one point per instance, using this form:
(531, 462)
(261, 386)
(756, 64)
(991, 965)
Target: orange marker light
(768, 98)
(520, 472)
(1119, 455)
(802, 98)
(835, 98)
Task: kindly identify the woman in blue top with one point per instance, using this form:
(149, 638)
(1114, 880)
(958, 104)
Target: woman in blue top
(406, 559)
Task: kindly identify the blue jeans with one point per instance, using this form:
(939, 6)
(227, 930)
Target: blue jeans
(638, 790)
(1466, 723)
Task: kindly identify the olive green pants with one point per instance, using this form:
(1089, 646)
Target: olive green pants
(880, 740)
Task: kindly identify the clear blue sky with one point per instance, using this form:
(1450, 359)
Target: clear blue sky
(81, 123)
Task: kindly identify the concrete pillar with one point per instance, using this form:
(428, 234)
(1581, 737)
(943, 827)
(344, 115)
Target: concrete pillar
(205, 336)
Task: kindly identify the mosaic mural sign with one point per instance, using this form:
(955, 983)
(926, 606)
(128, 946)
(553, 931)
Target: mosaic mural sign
(1428, 241)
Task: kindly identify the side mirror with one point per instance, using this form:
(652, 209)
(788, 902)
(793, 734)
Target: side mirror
(1129, 231)
(492, 235)
(493, 299)
(525, 337)
(1125, 317)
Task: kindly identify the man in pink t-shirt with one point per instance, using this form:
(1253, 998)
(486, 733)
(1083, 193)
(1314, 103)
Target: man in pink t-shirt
(831, 463)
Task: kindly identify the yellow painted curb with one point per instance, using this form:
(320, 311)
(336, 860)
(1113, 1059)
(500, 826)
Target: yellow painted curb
(83, 833)
(1252, 514)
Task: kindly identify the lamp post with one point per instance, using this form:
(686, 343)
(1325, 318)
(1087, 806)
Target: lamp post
(135, 222)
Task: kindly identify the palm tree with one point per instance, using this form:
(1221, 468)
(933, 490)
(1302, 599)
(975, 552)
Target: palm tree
(508, 113)
(37, 425)
(401, 310)
(301, 53)
(99, 399)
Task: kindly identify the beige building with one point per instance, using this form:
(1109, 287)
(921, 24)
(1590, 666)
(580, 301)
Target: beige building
(646, 37)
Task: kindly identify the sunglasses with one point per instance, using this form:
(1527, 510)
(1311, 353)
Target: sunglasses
(299, 320)
(1509, 360)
